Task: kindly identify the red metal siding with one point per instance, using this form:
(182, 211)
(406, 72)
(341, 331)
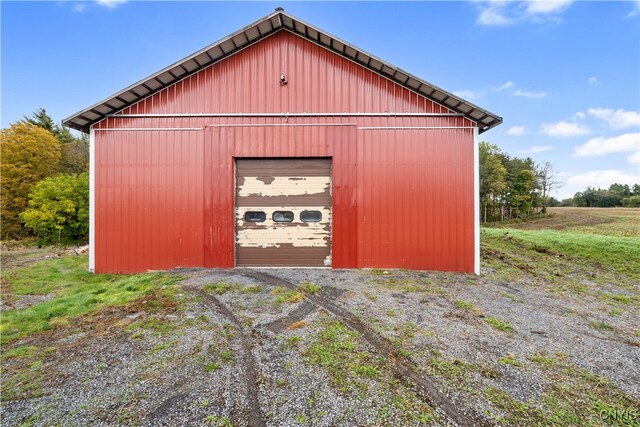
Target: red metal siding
(401, 198)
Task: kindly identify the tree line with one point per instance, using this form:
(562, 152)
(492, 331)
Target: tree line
(44, 180)
(512, 187)
(614, 196)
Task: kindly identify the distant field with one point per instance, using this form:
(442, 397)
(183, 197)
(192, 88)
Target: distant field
(622, 222)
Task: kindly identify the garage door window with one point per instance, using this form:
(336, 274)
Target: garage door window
(311, 216)
(255, 216)
(282, 216)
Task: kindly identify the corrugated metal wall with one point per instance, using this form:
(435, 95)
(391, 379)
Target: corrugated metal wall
(402, 197)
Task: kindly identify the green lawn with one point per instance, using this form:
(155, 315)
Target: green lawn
(619, 254)
(74, 291)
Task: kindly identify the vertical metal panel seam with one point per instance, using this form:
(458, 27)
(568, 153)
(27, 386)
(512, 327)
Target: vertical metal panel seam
(476, 202)
(92, 200)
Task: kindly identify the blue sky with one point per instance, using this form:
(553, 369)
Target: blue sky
(564, 75)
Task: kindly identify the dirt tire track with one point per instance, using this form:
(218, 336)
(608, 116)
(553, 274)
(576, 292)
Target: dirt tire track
(402, 368)
(253, 414)
(303, 310)
(281, 323)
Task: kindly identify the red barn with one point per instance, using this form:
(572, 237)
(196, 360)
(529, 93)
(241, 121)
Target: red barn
(282, 145)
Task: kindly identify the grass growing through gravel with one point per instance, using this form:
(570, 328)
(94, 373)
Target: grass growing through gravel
(355, 371)
(336, 349)
(283, 295)
(498, 324)
(26, 381)
(74, 292)
(310, 288)
(574, 397)
(221, 288)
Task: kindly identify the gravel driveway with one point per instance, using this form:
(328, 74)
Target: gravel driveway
(294, 347)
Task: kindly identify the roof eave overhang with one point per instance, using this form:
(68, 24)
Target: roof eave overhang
(251, 34)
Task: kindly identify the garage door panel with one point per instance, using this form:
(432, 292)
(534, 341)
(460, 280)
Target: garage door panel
(284, 201)
(283, 186)
(266, 186)
(276, 167)
(282, 257)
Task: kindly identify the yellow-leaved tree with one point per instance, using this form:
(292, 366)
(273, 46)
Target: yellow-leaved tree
(28, 155)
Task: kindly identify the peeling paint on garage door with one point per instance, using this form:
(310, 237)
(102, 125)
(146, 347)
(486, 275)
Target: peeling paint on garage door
(283, 212)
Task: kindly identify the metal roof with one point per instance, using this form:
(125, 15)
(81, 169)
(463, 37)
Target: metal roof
(277, 21)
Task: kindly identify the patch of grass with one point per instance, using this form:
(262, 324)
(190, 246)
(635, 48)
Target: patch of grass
(25, 380)
(619, 254)
(510, 359)
(542, 359)
(220, 288)
(293, 341)
(211, 367)
(625, 299)
(310, 288)
(24, 383)
(227, 355)
(20, 352)
(162, 346)
(498, 324)
(600, 326)
(283, 295)
(218, 421)
(75, 292)
(615, 312)
(467, 306)
(454, 371)
(251, 289)
(622, 299)
(336, 349)
(464, 305)
(489, 372)
(301, 418)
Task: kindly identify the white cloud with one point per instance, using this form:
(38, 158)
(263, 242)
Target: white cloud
(499, 13)
(547, 6)
(537, 149)
(634, 159)
(466, 94)
(579, 115)
(574, 182)
(593, 80)
(516, 130)
(615, 144)
(564, 129)
(602, 178)
(110, 4)
(493, 15)
(616, 119)
(507, 85)
(530, 94)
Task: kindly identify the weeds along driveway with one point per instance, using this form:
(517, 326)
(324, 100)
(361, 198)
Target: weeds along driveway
(554, 345)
